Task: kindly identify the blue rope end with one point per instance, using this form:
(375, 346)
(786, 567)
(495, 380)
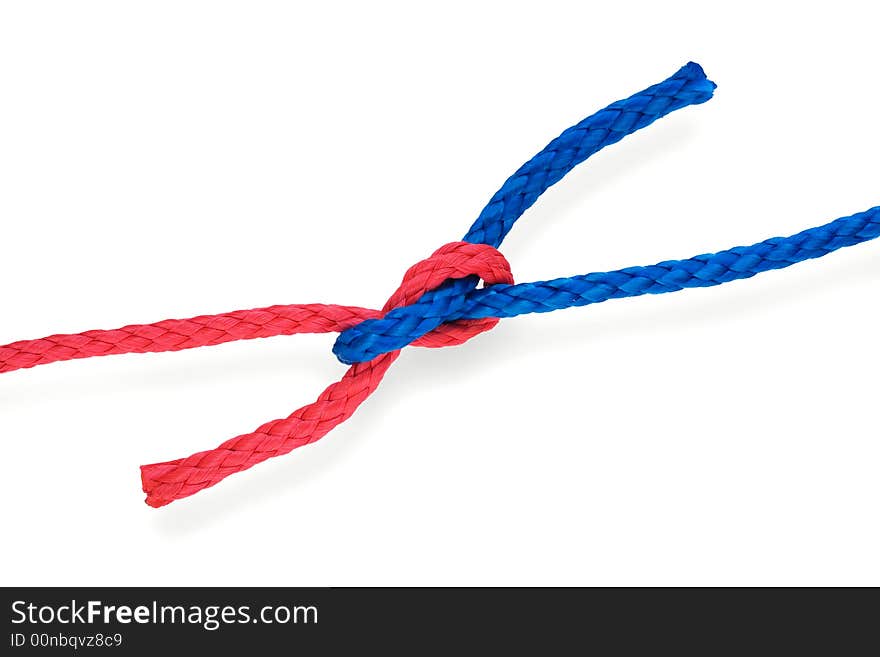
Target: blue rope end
(695, 72)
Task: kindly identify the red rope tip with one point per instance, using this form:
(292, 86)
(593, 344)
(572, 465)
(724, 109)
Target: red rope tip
(158, 482)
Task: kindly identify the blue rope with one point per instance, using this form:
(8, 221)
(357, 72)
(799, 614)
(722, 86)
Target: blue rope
(458, 299)
(689, 86)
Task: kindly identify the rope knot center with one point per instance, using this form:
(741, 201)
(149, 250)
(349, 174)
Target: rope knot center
(439, 284)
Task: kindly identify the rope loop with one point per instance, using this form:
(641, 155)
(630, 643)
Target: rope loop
(434, 328)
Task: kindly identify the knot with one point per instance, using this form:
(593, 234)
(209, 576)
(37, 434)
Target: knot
(438, 286)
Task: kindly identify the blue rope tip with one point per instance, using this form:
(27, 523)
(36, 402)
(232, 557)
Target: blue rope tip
(702, 86)
(696, 72)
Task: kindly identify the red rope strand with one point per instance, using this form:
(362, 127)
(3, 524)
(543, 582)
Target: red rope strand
(171, 480)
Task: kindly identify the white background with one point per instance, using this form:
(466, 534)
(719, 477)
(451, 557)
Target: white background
(168, 159)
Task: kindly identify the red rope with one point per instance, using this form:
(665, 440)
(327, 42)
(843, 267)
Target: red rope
(177, 334)
(171, 480)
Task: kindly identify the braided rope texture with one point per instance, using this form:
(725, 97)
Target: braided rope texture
(439, 302)
(401, 326)
(171, 480)
(688, 86)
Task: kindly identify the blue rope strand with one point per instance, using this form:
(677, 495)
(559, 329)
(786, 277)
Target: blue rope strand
(403, 325)
(689, 86)
(670, 276)
(457, 299)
